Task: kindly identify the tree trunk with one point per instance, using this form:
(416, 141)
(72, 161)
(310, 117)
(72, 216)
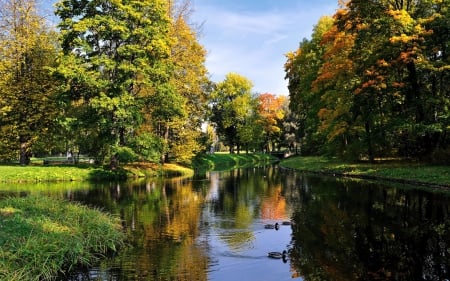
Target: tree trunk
(164, 154)
(25, 153)
(369, 142)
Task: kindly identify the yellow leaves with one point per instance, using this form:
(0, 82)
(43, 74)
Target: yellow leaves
(403, 38)
(402, 17)
(329, 118)
(5, 110)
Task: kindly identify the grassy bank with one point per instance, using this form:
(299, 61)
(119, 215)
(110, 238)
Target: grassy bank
(41, 237)
(84, 172)
(34, 173)
(226, 161)
(400, 171)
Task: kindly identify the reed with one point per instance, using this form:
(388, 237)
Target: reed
(42, 237)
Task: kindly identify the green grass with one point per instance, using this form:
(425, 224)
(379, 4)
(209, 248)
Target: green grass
(32, 173)
(227, 161)
(41, 237)
(406, 171)
(85, 172)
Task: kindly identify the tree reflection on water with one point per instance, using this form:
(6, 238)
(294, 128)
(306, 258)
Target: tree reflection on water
(213, 228)
(347, 230)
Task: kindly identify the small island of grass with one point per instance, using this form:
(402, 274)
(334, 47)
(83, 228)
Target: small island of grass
(42, 237)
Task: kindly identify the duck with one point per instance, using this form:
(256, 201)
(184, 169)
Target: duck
(277, 255)
(272, 226)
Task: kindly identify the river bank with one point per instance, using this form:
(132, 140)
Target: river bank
(84, 172)
(42, 237)
(88, 172)
(408, 172)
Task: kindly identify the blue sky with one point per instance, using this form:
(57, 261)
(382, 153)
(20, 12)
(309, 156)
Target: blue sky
(251, 37)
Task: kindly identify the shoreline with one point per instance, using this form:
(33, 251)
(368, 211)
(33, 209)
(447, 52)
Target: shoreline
(438, 177)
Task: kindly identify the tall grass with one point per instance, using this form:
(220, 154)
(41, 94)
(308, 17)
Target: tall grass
(41, 237)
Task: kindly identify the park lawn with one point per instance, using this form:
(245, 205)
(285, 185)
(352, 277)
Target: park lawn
(42, 237)
(35, 173)
(407, 171)
(86, 172)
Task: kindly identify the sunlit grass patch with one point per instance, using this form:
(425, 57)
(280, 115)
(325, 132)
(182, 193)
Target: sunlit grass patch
(16, 173)
(41, 237)
(8, 211)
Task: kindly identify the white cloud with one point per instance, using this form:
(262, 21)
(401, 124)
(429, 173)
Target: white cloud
(253, 42)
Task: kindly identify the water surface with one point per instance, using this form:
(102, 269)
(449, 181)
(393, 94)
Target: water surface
(214, 228)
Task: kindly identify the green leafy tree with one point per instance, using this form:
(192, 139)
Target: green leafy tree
(250, 132)
(27, 88)
(115, 66)
(231, 105)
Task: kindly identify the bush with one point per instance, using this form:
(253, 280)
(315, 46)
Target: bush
(125, 154)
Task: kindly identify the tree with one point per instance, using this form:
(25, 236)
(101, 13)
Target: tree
(302, 69)
(393, 94)
(189, 79)
(250, 132)
(116, 66)
(27, 88)
(376, 80)
(231, 105)
(271, 112)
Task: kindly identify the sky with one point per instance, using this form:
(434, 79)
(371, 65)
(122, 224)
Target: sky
(251, 37)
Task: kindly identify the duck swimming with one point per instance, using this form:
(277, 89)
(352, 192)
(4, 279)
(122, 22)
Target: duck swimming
(272, 226)
(277, 255)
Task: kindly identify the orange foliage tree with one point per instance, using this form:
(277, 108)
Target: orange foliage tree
(271, 113)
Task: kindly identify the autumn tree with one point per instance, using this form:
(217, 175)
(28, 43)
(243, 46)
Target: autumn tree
(271, 112)
(190, 80)
(377, 83)
(302, 69)
(393, 94)
(27, 88)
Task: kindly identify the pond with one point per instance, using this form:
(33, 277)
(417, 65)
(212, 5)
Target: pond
(222, 227)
